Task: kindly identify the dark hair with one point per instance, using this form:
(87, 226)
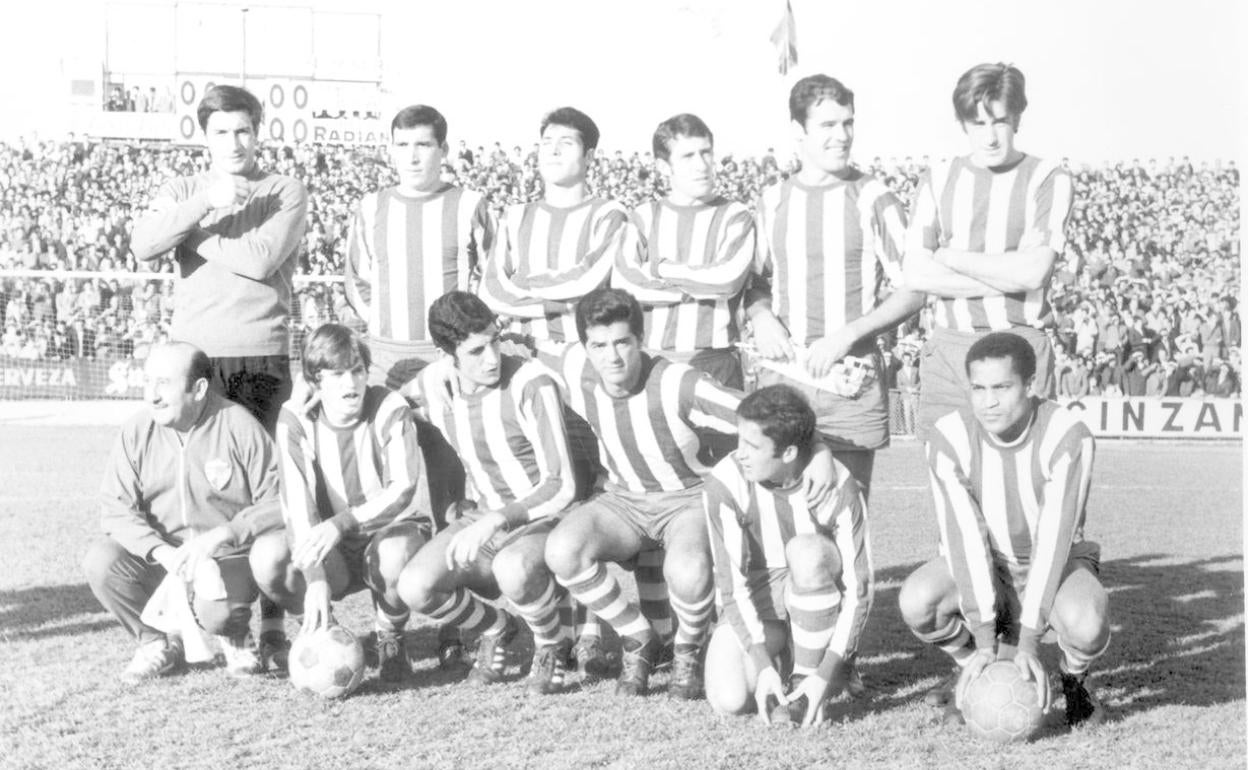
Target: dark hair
(576, 120)
(603, 307)
(229, 99)
(420, 115)
(336, 348)
(199, 368)
(986, 83)
(811, 90)
(784, 416)
(1004, 345)
(675, 127)
(456, 316)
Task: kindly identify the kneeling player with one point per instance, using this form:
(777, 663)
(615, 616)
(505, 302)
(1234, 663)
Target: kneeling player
(1010, 478)
(647, 413)
(790, 577)
(506, 422)
(354, 497)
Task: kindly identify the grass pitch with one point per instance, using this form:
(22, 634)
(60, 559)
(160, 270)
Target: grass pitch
(1169, 518)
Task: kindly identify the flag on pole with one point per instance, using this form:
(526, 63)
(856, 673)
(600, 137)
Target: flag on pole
(784, 38)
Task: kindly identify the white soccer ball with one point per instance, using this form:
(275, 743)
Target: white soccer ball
(328, 662)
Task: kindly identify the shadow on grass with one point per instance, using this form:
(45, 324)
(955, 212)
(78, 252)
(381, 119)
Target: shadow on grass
(44, 611)
(1178, 639)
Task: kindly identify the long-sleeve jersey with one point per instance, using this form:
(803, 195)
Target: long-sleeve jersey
(648, 439)
(546, 258)
(687, 266)
(513, 443)
(405, 252)
(968, 208)
(236, 265)
(1020, 506)
(361, 477)
(750, 524)
(162, 490)
(826, 254)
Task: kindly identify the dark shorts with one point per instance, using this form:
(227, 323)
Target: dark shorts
(501, 540)
(261, 384)
(942, 365)
(355, 549)
(648, 515)
(1084, 554)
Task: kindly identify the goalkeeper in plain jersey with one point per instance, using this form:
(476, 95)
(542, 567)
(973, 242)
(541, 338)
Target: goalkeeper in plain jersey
(790, 577)
(1010, 477)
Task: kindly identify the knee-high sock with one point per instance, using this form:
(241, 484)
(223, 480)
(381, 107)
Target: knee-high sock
(586, 622)
(272, 616)
(812, 620)
(600, 592)
(693, 618)
(954, 639)
(652, 592)
(543, 616)
(469, 614)
(385, 619)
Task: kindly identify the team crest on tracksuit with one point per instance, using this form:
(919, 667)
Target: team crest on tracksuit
(217, 472)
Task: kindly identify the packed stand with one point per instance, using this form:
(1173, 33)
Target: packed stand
(1144, 295)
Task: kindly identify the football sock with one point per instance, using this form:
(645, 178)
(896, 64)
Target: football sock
(385, 620)
(955, 639)
(652, 592)
(468, 613)
(543, 616)
(600, 592)
(587, 623)
(693, 618)
(272, 617)
(1076, 662)
(812, 619)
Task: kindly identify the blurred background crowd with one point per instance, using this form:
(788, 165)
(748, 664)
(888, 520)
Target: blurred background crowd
(1144, 294)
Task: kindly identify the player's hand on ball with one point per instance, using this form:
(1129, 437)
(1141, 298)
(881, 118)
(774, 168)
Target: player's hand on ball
(227, 190)
(317, 610)
(769, 686)
(981, 660)
(467, 543)
(313, 547)
(1033, 670)
(771, 339)
(816, 690)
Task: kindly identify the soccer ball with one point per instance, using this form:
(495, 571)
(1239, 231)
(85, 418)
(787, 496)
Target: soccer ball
(328, 662)
(1000, 706)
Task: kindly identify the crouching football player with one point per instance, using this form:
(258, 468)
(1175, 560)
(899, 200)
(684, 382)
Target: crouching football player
(354, 497)
(505, 420)
(1010, 477)
(190, 483)
(793, 580)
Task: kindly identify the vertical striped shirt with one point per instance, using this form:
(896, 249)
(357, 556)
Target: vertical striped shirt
(648, 439)
(687, 266)
(405, 252)
(361, 477)
(1017, 506)
(546, 258)
(750, 524)
(964, 207)
(513, 443)
(826, 254)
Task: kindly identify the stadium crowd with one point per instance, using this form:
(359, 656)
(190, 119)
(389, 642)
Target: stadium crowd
(1144, 295)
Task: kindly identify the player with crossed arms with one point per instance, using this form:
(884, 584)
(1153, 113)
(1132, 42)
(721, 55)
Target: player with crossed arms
(791, 577)
(1010, 476)
(505, 419)
(354, 496)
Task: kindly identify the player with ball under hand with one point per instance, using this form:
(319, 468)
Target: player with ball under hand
(1010, 478)
(355, 498)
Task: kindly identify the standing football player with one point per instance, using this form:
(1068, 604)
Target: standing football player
(984, 235)
(830, 242)
(789, 576)
(354, 496)
(689, 255)
(1010, 477)
(506, 422)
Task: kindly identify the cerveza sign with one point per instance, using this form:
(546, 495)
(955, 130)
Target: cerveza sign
(75, 378)
(1161, 417)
